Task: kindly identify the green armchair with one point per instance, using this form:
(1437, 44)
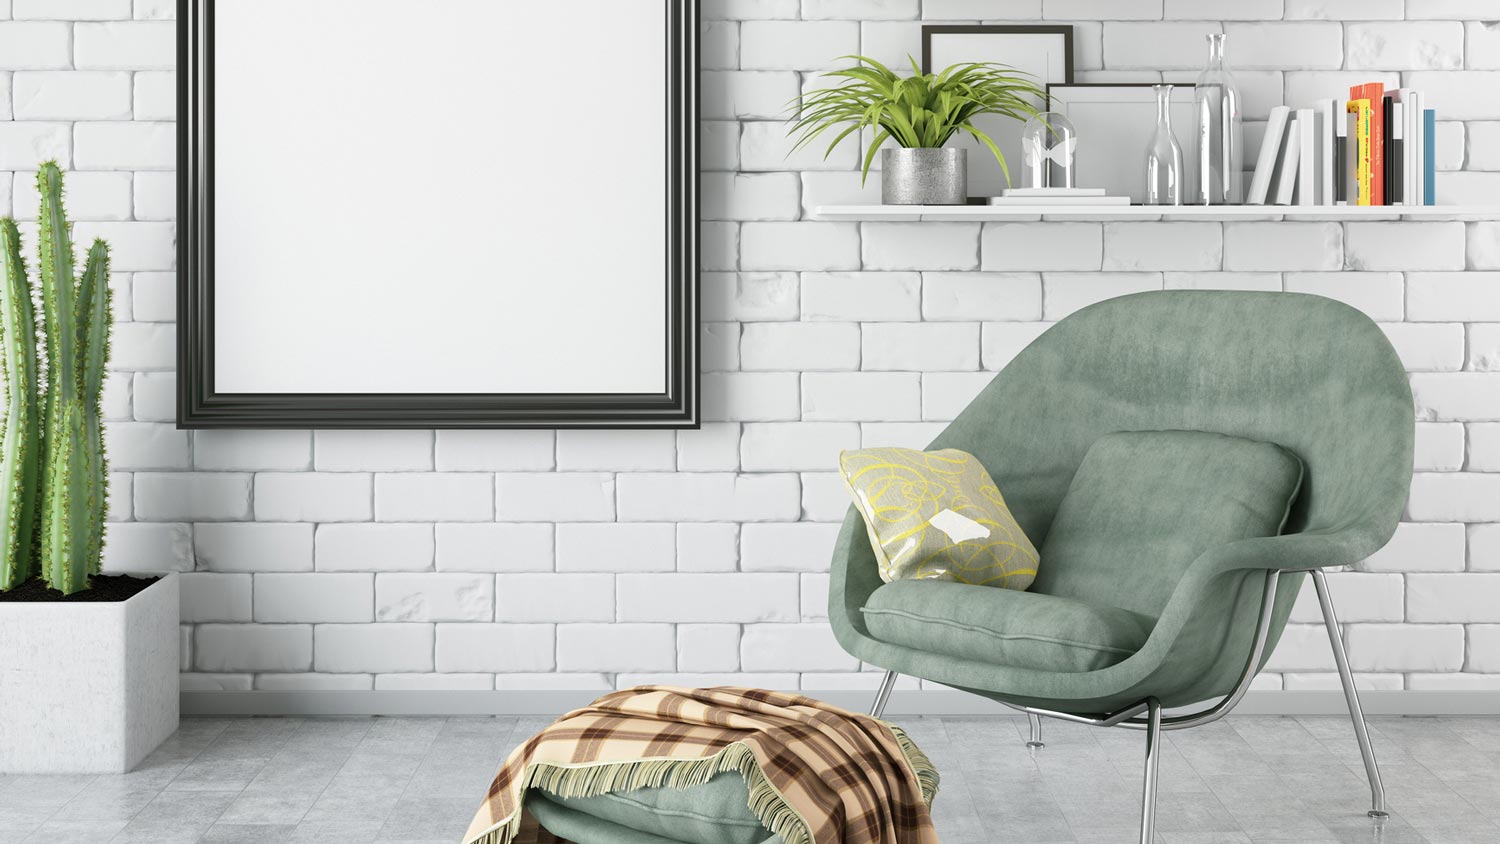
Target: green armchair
(1309, 374)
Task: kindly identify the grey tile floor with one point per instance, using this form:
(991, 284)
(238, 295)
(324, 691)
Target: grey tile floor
(413, 781)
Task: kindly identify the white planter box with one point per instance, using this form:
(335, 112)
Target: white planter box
(88, 688)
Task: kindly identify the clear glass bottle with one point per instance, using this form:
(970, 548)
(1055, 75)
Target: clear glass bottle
(1221, 133)
(1164, 155)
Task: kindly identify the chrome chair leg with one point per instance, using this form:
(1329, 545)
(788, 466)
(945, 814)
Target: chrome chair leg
(1356, 713)
(883, 696)
(1153, 765)
(1036, 731)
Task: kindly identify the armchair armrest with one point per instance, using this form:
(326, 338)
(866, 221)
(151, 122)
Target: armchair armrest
(1292, 552)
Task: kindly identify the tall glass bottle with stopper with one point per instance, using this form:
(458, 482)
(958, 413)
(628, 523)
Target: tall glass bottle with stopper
(1164, 181)
(1221, 134)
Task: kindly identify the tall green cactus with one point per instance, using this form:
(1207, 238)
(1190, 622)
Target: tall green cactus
(69, 453)
(21, 429)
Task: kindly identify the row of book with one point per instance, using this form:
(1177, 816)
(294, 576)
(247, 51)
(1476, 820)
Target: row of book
(1375, 148)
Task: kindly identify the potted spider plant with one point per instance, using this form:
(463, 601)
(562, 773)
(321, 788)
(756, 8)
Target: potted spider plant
(920, 114)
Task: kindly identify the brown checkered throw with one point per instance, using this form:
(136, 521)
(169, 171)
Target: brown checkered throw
(817, 774)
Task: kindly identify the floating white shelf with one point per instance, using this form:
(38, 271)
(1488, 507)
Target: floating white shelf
(988, 213)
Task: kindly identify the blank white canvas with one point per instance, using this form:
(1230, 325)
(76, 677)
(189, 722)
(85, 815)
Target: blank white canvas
(1042, 55)
(452, 196)
(1115, 127)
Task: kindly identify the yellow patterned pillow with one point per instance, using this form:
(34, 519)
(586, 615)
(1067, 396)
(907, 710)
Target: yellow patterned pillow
(937, 515)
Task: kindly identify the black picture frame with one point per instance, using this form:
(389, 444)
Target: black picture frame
(1064, 30)
(201, 406)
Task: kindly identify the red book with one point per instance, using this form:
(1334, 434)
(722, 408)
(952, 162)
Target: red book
(1375, 93)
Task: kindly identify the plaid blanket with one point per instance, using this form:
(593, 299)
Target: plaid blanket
(817, 774)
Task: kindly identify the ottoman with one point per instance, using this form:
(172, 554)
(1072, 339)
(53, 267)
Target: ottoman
(716, 812)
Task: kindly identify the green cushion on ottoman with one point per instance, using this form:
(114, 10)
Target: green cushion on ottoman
(717, 812)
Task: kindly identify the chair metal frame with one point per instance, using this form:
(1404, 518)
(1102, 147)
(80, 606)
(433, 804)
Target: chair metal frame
(1147, 714)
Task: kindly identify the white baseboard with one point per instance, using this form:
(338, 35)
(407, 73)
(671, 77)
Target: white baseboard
(910, 702)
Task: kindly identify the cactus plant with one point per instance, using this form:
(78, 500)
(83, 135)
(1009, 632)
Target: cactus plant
(68, 455)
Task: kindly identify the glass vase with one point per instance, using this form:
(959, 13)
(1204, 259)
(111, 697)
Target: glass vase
(1221, 133)
(1163, 155)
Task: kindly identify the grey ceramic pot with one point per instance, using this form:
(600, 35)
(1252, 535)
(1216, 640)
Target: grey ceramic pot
(924, 176)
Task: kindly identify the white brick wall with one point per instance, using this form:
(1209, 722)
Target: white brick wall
(582, 559)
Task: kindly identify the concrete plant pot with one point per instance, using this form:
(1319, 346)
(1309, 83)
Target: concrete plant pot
(88, 687)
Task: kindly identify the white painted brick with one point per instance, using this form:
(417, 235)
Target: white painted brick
(495, 647)
(814, 603)
(1449, 9)
(90, 196)
(714, 447)
(28, 45)
(1002, 341)
(831, 187)
(1270, 282)
(1484, 648)
(522, 681)
(752, 196)
(201, 682)
(861, 397)
(71, 95)
(422, 497)
(720, 246)
(372, 648)
(373, 451)
(137, 45)
(288, 451)
(1484, 246)
(254, 547)
(921, 246)
(494, 451)
(1484, 447)
(720, 598)
(1405, 647)
(1339, 10)
(374, 547)
(1470, 597)
(639, 451)
(1453, 682)
(1482, 142)
(153, 394)
(1454, 497)
(947, 394)
(915, 347)
(1405, 246)
(1428, 347)
(314, 598)
(554, 597)
(163, 497)
(1222, 9)
(750, 297)
(1329, 681)
(708, 647)
(967, 10)
(616, 647)
(1162, 46)
(749, 9)
(314, 682)
(616, 547)
(708, 547)
(800, 246)
(720, 349)
(1453, 297)
(1380, 295)
(144, 346)
(155, 95)
(1303, 647)
(767, 146)
(1484, 547)
(1467, 188)
(1451, 148)
(719, 45)
(1356, 598)
(253, 647)
(115, 404)
(134, 446)
(135, 247)
(1308, 86)
(709, 498)
(1439, 447)
(1069, 292)
(153, 296)
(434, 682)
(68, 10)
(1460, 94)
(798, 647)
(434, 597)
(125, 146)
(308, 497)
(561, 498)
(1273, 46)
(22, 145)
(967, 297)
(917, 435)
(862, 297)
(215, 597)
(1102, 9)
(788, 45)
(795, 446)
(1043, 246)
(860, 9)
(825, 497)
(797, 547)
(892, 43)
(749, 94)
(143, 546)
(778, 682)
(1406, 46)
(720, 141)
(494, 548)
(1283, 246)
(1163, 246)
(750, 396)
(155, 10)
(1456, 397)
(802, 346)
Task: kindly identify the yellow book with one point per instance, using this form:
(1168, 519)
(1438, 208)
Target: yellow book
(1361, 108)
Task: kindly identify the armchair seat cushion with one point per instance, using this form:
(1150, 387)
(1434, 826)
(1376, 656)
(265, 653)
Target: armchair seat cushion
(1004, 626)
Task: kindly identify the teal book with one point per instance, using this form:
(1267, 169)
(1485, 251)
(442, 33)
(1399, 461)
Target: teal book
(1429, 156)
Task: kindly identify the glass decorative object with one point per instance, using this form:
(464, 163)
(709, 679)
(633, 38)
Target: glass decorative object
(1221, 133)
(1049, 144)
(1163, 155)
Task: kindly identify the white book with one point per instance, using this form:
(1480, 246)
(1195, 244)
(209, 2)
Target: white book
(1416, 138)
(1285, 176)
(1402, 127)
(1328, 123)
(1307, 166)
(1270, 151)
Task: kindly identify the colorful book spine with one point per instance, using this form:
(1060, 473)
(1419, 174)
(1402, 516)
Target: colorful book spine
(1429, 157)
(1364, 167)
(1374, 93)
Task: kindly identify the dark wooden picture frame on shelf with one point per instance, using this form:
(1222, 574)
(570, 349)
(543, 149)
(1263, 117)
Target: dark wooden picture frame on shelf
(571, 302)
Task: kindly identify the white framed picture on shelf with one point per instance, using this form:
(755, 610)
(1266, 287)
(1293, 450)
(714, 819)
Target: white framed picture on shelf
(1114, 123)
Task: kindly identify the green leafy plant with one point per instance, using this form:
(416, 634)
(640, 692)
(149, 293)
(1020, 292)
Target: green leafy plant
(53, 472)
(923, 111)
